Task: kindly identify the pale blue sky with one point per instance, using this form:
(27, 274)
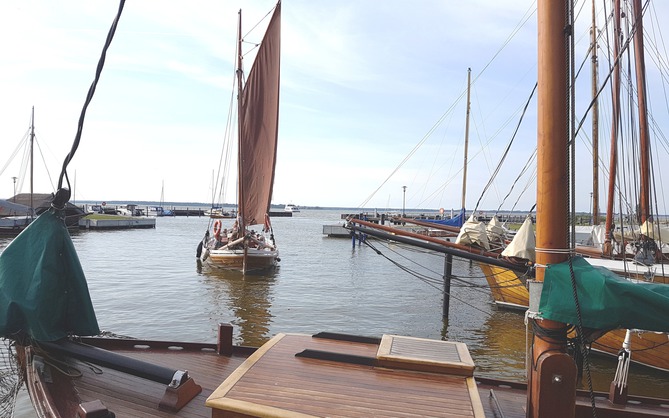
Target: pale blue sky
(363, 82)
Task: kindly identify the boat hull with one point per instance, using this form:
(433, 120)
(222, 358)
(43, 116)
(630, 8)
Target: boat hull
(648, 348)
(250, 260)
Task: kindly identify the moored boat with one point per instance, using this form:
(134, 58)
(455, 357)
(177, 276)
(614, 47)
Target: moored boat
(239, 247)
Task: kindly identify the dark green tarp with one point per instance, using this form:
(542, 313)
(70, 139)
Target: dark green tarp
(43, 290)
(607, 300)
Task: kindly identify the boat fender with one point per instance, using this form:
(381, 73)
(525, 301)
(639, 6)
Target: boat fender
(198, 252)
(217, 230)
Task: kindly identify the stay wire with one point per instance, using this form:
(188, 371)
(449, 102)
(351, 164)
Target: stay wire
(89, 97)
(508, 147)
(417, 275)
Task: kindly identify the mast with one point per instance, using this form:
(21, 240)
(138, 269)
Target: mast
(464, 170)
(32, 142)
(613, 162)
(240, 191)
(552, 374)
(644, 145)
(595, 122)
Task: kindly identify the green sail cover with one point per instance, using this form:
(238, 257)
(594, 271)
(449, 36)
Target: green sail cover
(607, 300)
(43, 290)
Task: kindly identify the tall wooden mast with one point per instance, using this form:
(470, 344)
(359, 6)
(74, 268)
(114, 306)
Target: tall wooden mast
(644, 143)
(240, 71)
(615, 123)
(595, 121)
(464, 170)
(32, 159)
(552, 375)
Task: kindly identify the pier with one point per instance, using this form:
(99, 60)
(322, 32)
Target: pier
(106, 222)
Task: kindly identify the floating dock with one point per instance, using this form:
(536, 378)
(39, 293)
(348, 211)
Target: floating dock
(116, 222)
(336, 231)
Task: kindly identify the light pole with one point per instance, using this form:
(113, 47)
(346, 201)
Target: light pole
(404, 199)
(14, 180)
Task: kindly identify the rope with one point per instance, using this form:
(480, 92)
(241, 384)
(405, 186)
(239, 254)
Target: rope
(506, 151)
(89, 97)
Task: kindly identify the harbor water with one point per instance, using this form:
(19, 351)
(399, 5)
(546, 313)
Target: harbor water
(147, 283)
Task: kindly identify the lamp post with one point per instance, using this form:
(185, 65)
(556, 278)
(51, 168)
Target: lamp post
(592, 221)
(14, 180)
(404, 199)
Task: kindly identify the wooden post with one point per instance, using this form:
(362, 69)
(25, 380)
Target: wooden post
(448, 270)
(224, 344)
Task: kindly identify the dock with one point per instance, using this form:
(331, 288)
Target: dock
(336, 231)
(107, 222)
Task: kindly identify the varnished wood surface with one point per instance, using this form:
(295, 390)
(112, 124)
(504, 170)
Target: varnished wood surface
(300, 385)
(282, 384)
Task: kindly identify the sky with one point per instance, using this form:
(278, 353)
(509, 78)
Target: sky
(373, 98)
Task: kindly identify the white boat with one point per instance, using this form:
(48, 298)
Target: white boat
(238, 247)
(291, 208)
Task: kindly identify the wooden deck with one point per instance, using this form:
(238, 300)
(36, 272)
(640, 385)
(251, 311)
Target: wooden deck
(338, 378)
(295, 375)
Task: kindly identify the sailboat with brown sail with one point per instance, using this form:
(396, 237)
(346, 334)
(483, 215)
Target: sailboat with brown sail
(239, 247)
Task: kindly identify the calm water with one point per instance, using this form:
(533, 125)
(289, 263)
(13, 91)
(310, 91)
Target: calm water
(147, 284)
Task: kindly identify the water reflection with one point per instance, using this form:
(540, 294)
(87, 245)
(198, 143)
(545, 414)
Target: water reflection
(245, 299)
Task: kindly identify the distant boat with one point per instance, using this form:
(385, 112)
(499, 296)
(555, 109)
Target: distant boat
(291, 208)
(159, 211)
(238, 247)
(221, 213)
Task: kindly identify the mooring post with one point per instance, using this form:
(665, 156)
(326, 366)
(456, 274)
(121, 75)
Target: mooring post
(448, 270)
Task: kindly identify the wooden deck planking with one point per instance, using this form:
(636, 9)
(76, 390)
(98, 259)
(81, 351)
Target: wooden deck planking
(278, 379)
(128, 396)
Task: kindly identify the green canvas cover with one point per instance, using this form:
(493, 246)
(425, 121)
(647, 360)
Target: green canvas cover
(607, 300)
(43, 290)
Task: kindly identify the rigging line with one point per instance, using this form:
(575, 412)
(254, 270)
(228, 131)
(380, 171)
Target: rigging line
(527, 166)
(604, 83)
(225, 148)
(529, 13)
(16, 151)
(508, 147)
(48, 173)
(89, 97)
(422, 276)
(432, 285)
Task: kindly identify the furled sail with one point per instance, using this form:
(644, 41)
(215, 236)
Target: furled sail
(259, 126)
(43, 290)
(606, 300)
(523, 243)
(473, 232)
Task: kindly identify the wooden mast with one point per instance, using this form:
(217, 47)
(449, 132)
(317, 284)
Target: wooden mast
(552, 375)
(595, 121)
(644, 145)
(464, 170)
(615, 121)
(32, 151)
(241, 224)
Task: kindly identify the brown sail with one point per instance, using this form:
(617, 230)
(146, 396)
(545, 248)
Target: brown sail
(259, 126)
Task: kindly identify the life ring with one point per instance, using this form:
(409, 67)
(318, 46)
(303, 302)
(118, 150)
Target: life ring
(217, 230)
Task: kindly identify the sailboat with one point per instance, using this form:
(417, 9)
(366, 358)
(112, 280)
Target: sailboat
(160, 209)
(21, 209)
(239, 247)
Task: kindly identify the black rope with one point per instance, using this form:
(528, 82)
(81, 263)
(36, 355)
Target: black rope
(508, 147)
(63, 195)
